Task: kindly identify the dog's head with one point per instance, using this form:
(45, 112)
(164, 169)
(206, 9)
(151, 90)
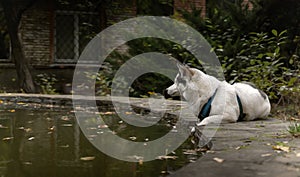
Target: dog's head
(181, 83)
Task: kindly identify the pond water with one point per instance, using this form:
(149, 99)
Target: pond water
(48, 143)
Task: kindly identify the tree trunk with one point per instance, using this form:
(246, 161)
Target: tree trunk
(13, 16)
(101, 8)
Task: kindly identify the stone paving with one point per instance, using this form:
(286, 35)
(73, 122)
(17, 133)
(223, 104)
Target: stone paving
(256, 148)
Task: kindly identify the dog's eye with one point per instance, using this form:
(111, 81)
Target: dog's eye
(181, 81)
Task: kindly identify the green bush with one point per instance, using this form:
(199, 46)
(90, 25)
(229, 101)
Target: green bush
(259, 57)
(47, 83)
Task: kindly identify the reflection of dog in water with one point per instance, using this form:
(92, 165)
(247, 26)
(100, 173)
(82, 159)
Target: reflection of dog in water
(215, 101)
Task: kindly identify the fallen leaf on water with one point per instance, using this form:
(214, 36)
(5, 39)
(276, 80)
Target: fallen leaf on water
(164, 157)
(164, 172)
(12, 110)
(1, 101)
(190, 152)
(87, 158)
(7, 138)
(51, 128)
(21, 103)
(141, 161)
(132, 138)
(27, 163)
(66, 125)
(281, 148)
(31, 138)
(64, 146)
(128, 113)
(1, 126)
(218, 160)
(27, 130)
(65, 118)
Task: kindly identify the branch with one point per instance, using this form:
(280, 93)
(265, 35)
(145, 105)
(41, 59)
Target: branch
(25, 6)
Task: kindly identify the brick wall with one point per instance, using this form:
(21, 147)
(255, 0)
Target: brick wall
(37, 26)
(188, 4)
(37, 29)
(35, 34)
(248, 3)
(119, 11)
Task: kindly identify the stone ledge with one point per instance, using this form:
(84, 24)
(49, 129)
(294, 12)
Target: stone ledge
(246, 150)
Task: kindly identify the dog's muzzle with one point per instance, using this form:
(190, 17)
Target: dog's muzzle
(166, 95)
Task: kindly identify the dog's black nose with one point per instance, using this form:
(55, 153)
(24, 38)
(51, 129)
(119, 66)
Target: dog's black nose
(166, 95)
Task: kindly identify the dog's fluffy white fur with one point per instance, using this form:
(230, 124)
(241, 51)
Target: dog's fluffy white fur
(197, 87)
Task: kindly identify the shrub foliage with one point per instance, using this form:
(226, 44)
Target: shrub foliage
(248, 46)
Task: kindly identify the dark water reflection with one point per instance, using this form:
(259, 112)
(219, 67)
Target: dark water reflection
(49, 143)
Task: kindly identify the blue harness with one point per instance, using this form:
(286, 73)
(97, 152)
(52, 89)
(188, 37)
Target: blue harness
(207, 106)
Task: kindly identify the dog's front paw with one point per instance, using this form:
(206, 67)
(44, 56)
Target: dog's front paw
(199, 139)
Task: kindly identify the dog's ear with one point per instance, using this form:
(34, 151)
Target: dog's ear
(185, 70)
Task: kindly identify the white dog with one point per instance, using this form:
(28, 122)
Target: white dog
(215, 101)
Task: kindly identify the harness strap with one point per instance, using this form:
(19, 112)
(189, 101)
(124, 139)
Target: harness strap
(207, 106)
(242, 115)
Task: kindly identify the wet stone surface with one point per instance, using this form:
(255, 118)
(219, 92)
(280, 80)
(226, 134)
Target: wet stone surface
(256, 148)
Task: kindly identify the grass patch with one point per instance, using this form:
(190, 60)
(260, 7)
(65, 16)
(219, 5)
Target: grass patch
(294, 129)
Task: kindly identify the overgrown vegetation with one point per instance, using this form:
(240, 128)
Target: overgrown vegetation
(294, 129)
(248, 46)
(251, 43)
(46, 83)
(248, 49)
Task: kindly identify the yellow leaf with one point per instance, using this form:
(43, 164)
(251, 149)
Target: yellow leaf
(12, 110)
(281, 148)
(108, 113)
(7, 138)
(31, 138)
(266, 155)
(141, 161)
(87, 158)
(1, 126)
(218, 160)
(163, 157)
(133, 138)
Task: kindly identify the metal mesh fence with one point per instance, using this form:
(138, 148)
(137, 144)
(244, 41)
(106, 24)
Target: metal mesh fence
(73, 30)
(4, 38)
